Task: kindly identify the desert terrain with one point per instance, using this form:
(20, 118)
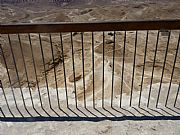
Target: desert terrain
(141, 11)
(90, 11)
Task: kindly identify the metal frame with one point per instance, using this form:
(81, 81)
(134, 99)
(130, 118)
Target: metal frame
(89, 27)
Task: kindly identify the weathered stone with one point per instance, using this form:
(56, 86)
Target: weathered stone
(109, 41)
(77, 77)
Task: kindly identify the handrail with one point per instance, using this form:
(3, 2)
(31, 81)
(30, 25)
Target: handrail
(90, 26)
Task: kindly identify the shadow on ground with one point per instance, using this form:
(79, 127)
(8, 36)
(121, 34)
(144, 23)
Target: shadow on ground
(100, 114)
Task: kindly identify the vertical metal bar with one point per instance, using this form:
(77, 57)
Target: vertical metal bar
(4, 94)
(74, 72)
(134, 64)
(142, 79)
(45, 74)
(177, 94)
(64, 69)
(93, 69)
(17, 74)
(122, 75)
(55, 76)
(103, 73)
(149, 95)
(25, 70)
(84, 86)
(114, 46)
(12, 90)
(34, 66)
(159, 92)
(175, 58)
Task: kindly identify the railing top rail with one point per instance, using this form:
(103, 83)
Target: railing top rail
(90, 26)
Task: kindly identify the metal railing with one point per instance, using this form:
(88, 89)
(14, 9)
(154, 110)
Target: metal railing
(99, 64)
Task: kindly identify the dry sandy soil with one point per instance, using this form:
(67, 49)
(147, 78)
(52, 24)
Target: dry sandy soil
(121, 11)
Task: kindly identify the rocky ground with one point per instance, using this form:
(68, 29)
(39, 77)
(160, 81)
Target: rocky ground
(121, 11)
(92, 128)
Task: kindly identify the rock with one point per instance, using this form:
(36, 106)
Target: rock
(32, 84)
(92, 19)
(104, 130)
(111, 34)
(109, 41)
(75, 33)
(77, 77)
(52, 64)
(85, 11)
(153, 128)
(97, 41)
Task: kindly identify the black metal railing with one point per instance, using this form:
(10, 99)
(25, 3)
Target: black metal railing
(103, 65)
